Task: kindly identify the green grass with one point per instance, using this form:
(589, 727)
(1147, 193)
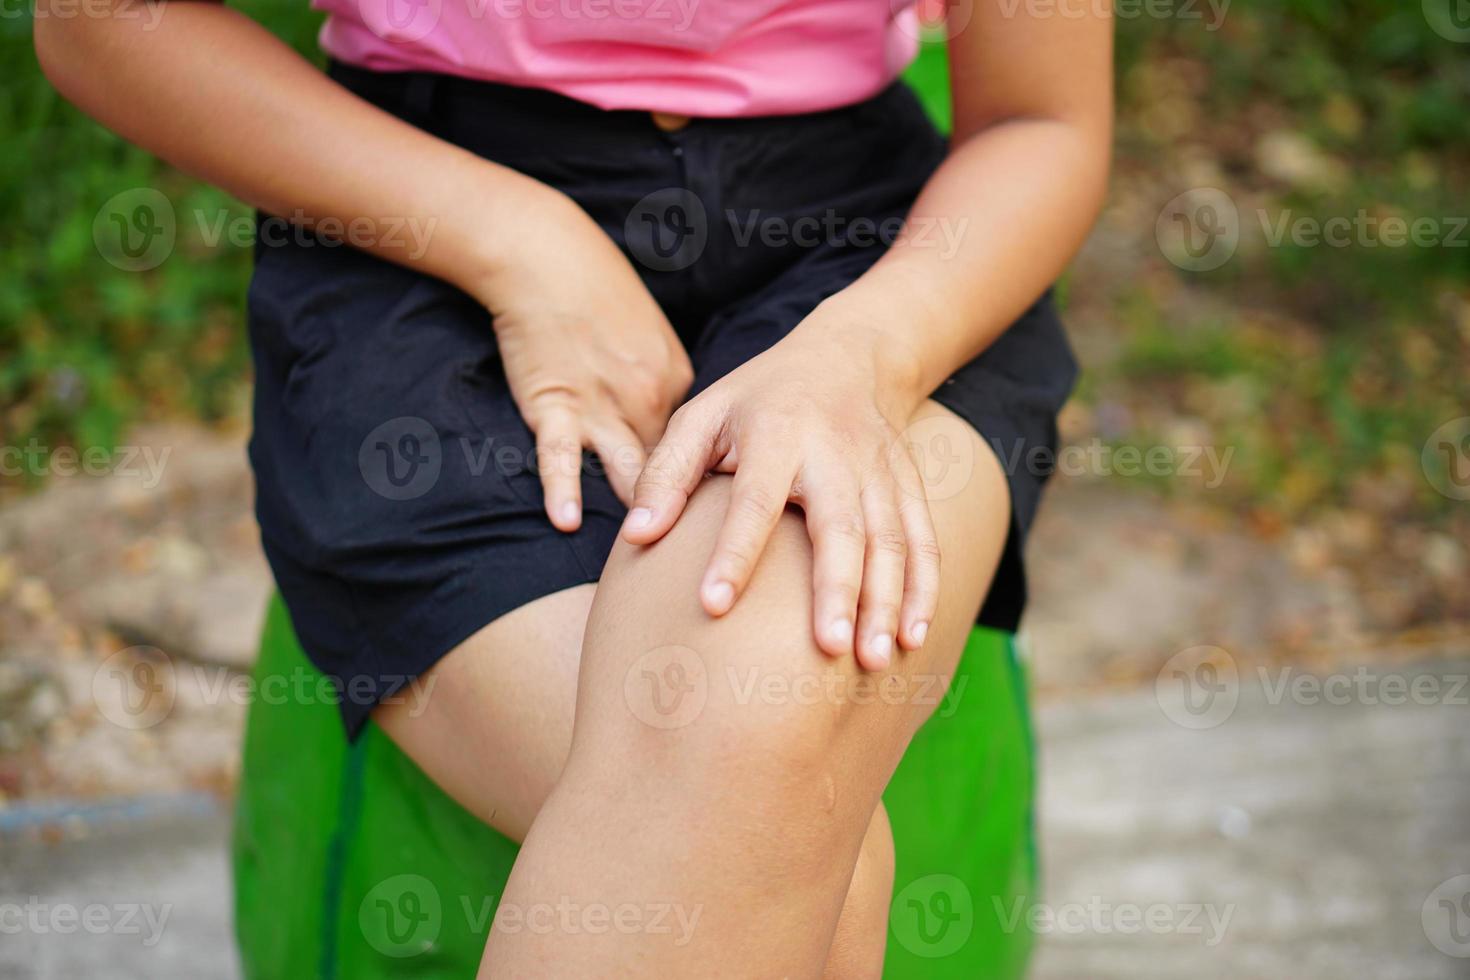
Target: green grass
(86, 349)
(1327, 367)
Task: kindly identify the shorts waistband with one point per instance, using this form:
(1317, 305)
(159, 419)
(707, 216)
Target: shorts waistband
(426, 97)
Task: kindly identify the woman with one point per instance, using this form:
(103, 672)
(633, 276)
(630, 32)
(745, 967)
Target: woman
(806, 346)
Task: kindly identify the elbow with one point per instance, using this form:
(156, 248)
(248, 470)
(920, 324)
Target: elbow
(49, 35)
(1103, 172)
(1081, 145)
(1100, 152)
(62, 34)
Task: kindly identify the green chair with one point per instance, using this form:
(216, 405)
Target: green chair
(350, 863)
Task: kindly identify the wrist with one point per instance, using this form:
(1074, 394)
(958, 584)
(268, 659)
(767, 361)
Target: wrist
(499, 223)
(881, 328)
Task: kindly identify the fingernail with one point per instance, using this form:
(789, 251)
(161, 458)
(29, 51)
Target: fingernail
(919, 631)
(841, 632)
(570, 512)
(639, 518)
(719, 596)
(880, 650)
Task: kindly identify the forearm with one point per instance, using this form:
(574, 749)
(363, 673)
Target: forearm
(218, 96)
(994, 227)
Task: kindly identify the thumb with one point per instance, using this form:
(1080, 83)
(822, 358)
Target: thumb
(675, 467)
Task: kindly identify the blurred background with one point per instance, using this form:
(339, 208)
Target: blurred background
(1264, 510)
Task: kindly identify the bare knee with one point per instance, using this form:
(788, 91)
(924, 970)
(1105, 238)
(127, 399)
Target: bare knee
(712, 731)
(743, 714)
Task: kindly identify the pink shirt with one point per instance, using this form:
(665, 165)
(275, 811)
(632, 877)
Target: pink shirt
(690, 57)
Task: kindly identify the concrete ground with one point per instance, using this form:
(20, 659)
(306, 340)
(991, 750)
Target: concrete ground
(1319, 821)
(143, 895)
(1284, 833)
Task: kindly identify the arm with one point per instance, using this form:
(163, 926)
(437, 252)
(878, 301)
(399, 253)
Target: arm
(212, 92)
(215, 94)
(1021, 186)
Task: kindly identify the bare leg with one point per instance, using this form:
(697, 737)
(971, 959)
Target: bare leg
(862, 928)
(717, 820)
(498, 721)
(497, 729)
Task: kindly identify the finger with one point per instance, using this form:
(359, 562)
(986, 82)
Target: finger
(559, 459)
(647, 420)
(921, 575)
(674, 468)
(758, 496)
(622, 455)
(834, 518)
(884, 559)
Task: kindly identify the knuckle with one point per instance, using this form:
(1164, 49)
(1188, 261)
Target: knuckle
(657, 474)
(890, 541)
(680, 376)
(883, 610)
(650, 401)
(671, 458)
(686, 417)
(560, 444)
(559, 464)
(757, 503)
(653, 481)
(664, 456)
(926, 551)
(841, 593)
(779, 424)
(846, 527)
(736, 563)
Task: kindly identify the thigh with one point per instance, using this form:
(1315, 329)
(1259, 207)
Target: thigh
(495, 726)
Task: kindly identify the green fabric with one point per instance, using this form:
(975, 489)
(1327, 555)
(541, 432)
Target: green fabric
(350, 863)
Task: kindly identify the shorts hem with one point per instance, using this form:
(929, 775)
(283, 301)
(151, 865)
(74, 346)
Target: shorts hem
(494, 598)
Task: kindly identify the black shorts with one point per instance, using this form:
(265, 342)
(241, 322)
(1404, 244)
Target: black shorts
(396, 488)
